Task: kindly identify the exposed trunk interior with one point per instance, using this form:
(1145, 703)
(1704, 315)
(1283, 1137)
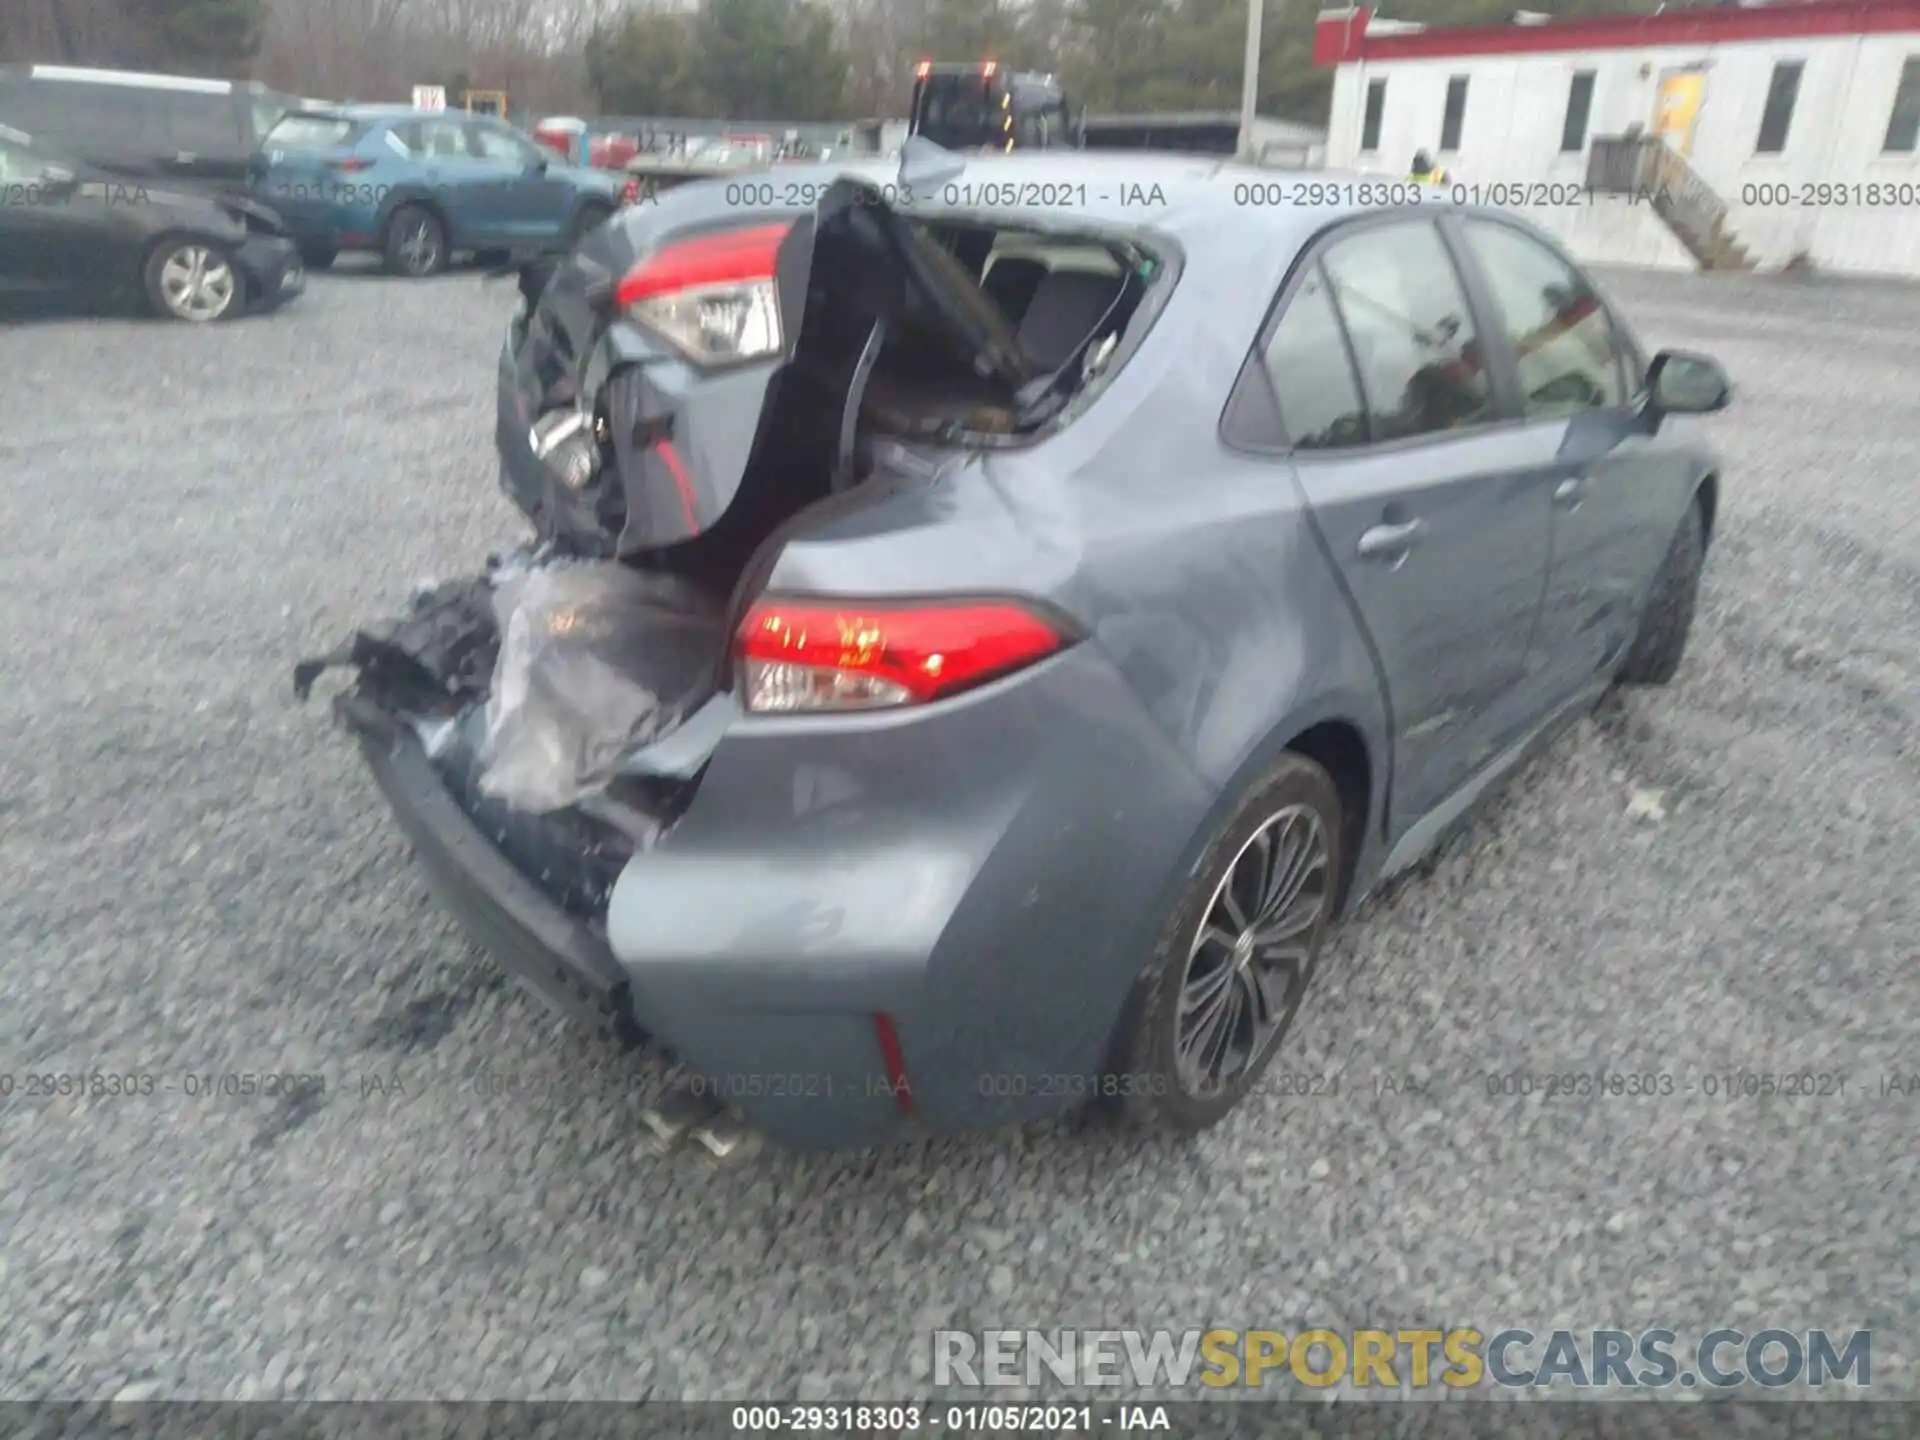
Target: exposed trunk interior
(953, 334)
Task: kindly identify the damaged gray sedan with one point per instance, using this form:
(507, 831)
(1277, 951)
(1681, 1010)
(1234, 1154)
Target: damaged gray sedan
(984, 625)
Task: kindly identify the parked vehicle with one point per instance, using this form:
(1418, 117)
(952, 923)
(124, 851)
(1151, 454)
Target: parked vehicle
(417, 188)
(183, 132)
(982, 107)
(974, 654)
(74, 232)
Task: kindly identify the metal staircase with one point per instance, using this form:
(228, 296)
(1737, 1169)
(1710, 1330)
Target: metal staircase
(1644, 167)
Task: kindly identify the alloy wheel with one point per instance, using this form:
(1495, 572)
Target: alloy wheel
(197, 283)
(419, 246)
(1250, 959)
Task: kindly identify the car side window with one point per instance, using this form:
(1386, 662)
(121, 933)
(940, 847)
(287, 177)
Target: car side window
(1422, 367)
(17, 167)
(112, 122)
(405, 139)
(501, 146)
(1320, 404)
(1566, 352)
(443, 140)
(201, 124)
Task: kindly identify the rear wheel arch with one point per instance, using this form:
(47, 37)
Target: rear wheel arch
(1338, 747)
(417, 200)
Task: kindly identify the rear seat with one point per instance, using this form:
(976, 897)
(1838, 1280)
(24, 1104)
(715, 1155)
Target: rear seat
(1064, 310)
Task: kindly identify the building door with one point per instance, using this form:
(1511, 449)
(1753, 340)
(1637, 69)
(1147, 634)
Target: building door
(1677, 110)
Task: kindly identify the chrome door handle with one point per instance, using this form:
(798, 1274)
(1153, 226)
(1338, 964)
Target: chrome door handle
(1568, 492)
(1391, 542)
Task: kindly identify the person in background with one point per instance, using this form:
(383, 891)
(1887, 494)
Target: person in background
(1425, 171)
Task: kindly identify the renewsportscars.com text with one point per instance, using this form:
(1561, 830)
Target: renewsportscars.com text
(1458, 1358)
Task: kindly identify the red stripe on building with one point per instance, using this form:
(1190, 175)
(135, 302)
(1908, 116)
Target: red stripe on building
(1340, 37)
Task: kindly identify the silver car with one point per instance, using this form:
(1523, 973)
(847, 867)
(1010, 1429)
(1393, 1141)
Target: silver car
(985, 622)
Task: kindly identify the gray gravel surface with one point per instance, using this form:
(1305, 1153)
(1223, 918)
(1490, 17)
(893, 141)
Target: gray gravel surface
(200, 881)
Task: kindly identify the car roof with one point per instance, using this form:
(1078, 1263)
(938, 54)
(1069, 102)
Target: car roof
(1188, 196)
(136, 79)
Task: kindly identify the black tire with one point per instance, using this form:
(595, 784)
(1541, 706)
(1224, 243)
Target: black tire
(416, 242)
(170, 265)
(1668, 618)
(318, 257)
(587, 219)
(1149, 1085)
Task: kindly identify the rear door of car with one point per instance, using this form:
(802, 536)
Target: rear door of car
(1401, 436)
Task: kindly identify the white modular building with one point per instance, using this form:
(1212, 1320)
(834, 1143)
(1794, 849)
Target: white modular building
(1731, 136)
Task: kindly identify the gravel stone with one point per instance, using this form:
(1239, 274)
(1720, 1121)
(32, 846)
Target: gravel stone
(202, 881)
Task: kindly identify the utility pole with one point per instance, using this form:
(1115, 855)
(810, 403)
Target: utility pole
(1250, 78)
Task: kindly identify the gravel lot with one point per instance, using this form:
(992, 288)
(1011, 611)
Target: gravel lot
(201, 880)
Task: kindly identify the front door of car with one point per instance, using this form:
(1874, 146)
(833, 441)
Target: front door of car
(1615, 494)
(459, 183)
(1404, 449)
(530, 202)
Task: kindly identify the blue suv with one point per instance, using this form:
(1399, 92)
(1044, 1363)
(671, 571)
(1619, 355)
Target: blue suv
(416, 187)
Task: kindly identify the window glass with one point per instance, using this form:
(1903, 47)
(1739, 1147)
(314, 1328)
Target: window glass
(1376, 106)
(1566, 352)
(17, 167)
(1573, 133)
(443, 140)
(1320, 404)
(1456, 113)
(111, 122)
(200, 124)
(1903, 125)
(1422, 368)
(502, 146)
(313, 132)
(404, 138)
(1777, 119)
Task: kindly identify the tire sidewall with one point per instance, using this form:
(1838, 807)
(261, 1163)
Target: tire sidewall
(1145, 1073)
(156, 295)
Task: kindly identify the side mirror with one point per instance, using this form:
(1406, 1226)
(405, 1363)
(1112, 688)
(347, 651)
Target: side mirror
(1682, 383)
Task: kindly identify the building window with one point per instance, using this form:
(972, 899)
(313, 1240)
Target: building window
(1903, 126)
(1456, 112)
(1573, 134)
(1376, 106)
(1777, 118)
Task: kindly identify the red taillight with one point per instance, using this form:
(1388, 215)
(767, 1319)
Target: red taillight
(808, 657)
(630, 192)
(731, 257)
(352, 165)
(713, 297)
(895, 1059)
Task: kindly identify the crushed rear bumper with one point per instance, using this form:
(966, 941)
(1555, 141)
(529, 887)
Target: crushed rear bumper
(562, 960)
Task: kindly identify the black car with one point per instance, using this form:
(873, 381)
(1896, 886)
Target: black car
(68, 229)
(184, 132)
